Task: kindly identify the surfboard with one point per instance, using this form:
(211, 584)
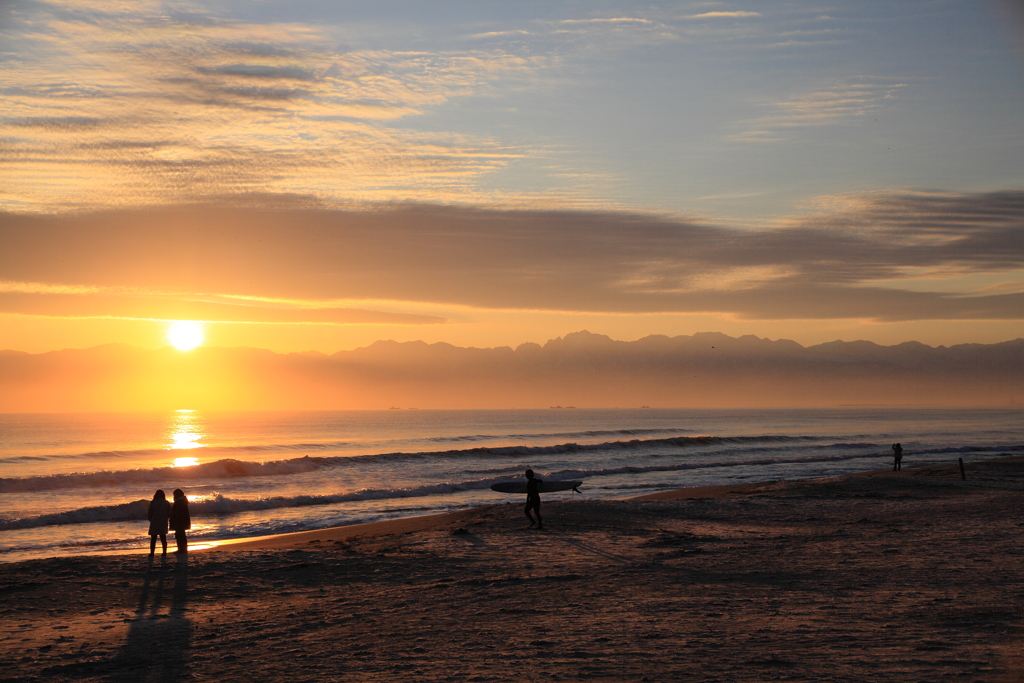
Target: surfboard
(545, 486)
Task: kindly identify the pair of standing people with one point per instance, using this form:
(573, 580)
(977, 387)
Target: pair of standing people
(163, 516)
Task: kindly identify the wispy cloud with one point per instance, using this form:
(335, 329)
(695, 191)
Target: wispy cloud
(572, 37)
(849, 259)
(826, 106)
(518, 33)
(136, 303)
(7, 287)
(736, 14)
(612, 20)
(119, 103)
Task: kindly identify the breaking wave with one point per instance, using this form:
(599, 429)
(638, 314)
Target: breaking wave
(349, 446)
(230, 468)
(219, 504)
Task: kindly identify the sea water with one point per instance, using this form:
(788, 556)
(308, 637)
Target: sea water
(80, 483)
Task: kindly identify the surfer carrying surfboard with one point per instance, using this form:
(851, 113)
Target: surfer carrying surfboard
(533, 499)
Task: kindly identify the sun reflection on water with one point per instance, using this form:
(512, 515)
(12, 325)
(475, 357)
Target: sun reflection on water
(184, 432)
(181, 440)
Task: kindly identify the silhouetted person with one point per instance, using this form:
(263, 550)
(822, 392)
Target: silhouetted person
(533, 499)
(180, 520)
(897, 455)
(159, 511)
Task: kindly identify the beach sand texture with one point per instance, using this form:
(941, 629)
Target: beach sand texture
(911, 576)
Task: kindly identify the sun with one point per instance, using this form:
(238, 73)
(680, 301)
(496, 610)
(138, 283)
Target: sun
(185, 335)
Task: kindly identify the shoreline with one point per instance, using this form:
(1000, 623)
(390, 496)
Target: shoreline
(880, 576)
(385, 527)
(406, 525)
(402, 525)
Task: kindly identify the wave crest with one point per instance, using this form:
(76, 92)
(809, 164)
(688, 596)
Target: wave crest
(219, 504)
(230, 468)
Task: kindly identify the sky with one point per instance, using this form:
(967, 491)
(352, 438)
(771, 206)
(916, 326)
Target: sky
(317, 175)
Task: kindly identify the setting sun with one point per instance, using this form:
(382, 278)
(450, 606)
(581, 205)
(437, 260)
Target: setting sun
(185, 335)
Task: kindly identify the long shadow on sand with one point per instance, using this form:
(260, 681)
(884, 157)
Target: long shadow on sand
(157, 645)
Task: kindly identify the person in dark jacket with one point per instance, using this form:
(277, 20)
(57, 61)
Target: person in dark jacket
(533, 498)
(180, 520)
(159, 510)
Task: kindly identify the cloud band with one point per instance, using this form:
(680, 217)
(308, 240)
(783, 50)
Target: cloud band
(863, 259)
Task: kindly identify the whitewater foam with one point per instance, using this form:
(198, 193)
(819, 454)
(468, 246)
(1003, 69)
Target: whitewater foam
(230, 468)
(219, 504)
(75, 484)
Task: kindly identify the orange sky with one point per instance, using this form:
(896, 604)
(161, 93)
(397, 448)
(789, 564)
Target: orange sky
(581, 370)
(481, 328)
(314, 279)
(317, 176)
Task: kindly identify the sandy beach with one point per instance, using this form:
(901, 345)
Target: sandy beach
(883, 576)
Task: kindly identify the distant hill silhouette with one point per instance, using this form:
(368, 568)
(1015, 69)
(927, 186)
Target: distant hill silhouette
(580, 369)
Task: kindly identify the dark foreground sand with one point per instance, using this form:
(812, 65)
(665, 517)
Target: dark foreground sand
(910, 577)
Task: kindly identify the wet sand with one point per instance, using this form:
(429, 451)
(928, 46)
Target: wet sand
(912, 576)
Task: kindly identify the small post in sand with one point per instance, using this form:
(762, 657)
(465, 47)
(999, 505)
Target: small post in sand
(963, 475)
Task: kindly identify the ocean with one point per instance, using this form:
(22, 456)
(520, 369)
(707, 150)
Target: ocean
(80, 483)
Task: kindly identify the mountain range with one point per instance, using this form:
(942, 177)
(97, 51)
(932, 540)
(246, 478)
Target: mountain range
(581, 370)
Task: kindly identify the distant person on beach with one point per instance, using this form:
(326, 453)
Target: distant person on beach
(897, 454)
(180, 520)
(533, 499)
(159, 511)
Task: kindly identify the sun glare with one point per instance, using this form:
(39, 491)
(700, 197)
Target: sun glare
(185, 335)
(185, 440)
(184, 432)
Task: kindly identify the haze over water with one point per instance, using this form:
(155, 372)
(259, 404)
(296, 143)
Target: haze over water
(80, 483)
